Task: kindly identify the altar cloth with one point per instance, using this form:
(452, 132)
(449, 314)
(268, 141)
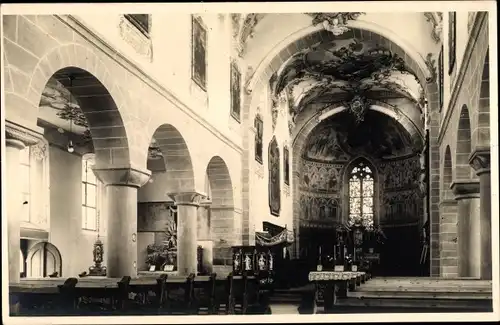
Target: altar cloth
(333, 275)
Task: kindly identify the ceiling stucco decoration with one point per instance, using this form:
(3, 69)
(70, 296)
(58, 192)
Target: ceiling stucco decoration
(436, 19)
(341, 137)
(341, 71)
(334, 22)
(243, 29)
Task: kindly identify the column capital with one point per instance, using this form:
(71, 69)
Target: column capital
(19, 136)
(465, 189)
(188, 198)
(122, 176)
(480, 160)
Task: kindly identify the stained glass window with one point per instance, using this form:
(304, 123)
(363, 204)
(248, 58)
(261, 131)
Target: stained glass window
(361, 192)
(89, 196)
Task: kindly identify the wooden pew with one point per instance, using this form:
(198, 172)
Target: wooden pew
(179, 295)
(204, 294)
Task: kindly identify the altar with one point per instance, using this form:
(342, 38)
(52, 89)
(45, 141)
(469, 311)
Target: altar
(332, 285)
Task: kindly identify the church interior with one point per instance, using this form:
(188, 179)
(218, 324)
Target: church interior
(270, 160)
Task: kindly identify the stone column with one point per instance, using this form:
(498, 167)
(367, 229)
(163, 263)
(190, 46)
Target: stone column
(120, 250)
(16, 138)
(466, 192)
(187, 228)
(480, 161)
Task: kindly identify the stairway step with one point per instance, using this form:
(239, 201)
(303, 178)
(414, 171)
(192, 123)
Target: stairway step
(372, 288)
(420, 295)
(485, 304)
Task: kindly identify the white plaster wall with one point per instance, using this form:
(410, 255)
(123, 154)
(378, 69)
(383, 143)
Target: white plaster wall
(259, 187)
(171, 63)
(66, 233)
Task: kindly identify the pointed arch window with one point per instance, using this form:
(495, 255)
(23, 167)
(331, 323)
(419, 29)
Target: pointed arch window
(361, 195)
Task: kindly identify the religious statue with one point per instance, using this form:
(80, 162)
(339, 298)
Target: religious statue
(236, 262)
(271, 261)
(248, 263)
(262, 262)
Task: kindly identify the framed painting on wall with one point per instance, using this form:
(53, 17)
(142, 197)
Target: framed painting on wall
(235, 92)
(274, 178)
(452, 40)
(286, 165)
(199, 53)
(259, 131)
(441, 78)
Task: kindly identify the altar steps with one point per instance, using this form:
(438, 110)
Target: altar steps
(438, 294)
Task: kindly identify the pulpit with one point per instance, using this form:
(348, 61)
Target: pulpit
(254, 261)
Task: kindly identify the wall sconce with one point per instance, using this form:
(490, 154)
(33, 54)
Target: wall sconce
(134, 237)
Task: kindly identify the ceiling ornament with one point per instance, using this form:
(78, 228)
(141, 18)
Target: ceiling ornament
(358, 106)
(431, 65)
(334, 22)
(243, 29)
(436, 19)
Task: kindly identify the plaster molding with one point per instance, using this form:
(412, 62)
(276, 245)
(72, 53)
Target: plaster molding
(436, 19)
(20, 133)
(135, 38)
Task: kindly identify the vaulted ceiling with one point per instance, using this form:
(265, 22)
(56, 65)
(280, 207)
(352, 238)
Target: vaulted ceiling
(342, 70)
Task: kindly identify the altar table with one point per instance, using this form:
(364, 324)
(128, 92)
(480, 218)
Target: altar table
(331, 285)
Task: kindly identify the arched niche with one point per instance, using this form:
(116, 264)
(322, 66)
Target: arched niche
(42, 260)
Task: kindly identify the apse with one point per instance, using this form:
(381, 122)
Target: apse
(342, 144)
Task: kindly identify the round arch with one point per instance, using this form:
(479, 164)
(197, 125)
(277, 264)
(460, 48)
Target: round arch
(43, 259)
(311, 35)
(307, 125)
(463, 145)
(179, 172)
(104, 113)
(221, 210)
(447, 173)
(483, 132)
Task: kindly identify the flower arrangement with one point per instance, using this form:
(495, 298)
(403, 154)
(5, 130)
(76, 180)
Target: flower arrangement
(165, 253)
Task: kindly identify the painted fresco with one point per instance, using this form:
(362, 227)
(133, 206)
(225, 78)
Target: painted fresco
(378, 136)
